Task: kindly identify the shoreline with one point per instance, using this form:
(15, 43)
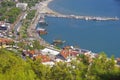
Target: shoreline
(49, 12)
(32, 29)
(46, 5)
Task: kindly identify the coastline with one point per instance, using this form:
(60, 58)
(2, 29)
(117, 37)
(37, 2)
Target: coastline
(96, 50)
(49, 12)
(32, 33)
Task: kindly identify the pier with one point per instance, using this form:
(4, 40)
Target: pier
(83, 17)
(48, 12)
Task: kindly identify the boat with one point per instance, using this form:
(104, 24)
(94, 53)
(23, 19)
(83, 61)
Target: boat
(42, 21)
(58, 42)
(41, 31)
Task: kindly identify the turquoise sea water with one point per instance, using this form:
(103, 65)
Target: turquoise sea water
(96, 36)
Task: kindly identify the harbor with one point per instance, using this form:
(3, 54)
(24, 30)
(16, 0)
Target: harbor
(48, 12)
(44, 11)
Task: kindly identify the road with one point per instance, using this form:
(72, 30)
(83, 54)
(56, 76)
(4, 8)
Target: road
(18, 25)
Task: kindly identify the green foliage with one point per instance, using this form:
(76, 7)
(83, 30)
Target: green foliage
(8, 11)
(36, 45)
(13, 67)
(26, 23)
(42, 72)
(2, 11)
(31, 14)
(21, 45)
(7, 3)
(2, 18)
(12, 14)
(103, 69)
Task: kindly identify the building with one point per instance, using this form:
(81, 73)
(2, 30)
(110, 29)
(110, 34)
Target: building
(5, 42)
(48, 51)
(23, 6)
(118, 61)
(43, 58)
(4, 26)
(69, 53)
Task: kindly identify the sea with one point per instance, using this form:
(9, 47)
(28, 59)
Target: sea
(96, 36)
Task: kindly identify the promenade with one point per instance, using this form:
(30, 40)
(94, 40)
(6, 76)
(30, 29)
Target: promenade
(44, 9)
(32, 30)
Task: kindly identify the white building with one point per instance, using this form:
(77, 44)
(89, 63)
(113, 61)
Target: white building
(47, 51)
(23, 6)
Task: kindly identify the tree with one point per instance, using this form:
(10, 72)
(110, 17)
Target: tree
(36, 45)
(12, 67)
(103, 68)
(42, 71)
(7, 3)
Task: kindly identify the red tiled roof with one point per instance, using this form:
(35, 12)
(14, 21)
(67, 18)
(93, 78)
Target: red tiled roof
(43, 58)
(68, 52)
(5, 40)
(118, 59)
(74, 53)
(65, 53)
(32, 52)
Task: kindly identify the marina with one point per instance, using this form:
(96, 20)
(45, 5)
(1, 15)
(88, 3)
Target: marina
(42, 11)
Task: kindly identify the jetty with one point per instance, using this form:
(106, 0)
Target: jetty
(44, 9)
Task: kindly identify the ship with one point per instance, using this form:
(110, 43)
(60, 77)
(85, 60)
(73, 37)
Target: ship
(41, 31)
(42, 21)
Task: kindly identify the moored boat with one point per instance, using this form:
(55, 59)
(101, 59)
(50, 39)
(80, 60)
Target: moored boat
(41, 31)
(58, 42)
(42, 21)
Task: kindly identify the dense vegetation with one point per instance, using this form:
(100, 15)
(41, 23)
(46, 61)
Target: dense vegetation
(31, 14)
(13, 67)
(8, 11)
(12, 15)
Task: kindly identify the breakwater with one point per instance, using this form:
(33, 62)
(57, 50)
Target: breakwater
(83, 17)
(44, 9)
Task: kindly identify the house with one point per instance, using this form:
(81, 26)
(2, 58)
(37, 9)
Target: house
(118, 61)
(23, 6)
(4, 26)
(68, 53)
(43, 58)
(4, 42)
(30, 53)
